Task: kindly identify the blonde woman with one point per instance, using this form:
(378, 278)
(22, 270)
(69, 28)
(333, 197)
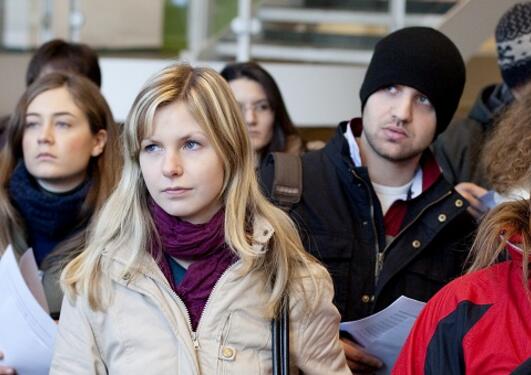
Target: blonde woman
(188, 262)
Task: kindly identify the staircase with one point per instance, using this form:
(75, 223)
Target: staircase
(327, 31)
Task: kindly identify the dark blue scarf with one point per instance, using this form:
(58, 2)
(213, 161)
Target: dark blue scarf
(49, 217)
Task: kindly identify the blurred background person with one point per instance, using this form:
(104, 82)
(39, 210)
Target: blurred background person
(58, 55)
(266, 116)
(59, 164)
(458, 148)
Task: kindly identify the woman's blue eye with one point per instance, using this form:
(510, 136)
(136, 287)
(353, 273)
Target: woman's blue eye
(151, 148)
(191, 145)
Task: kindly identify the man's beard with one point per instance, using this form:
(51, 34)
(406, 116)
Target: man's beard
(401, 156)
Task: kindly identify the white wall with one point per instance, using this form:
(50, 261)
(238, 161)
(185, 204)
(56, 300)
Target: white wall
(12, 78)
(315, 95)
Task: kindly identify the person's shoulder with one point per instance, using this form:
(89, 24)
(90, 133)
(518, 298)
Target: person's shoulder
(477, 287)
(311, 291)
(460, 131)
(313, 277)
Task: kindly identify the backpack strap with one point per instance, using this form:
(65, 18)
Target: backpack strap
(280, 341)
(287, 181)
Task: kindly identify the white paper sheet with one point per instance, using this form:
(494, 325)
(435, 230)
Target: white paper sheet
(383, 334)
(27, 333)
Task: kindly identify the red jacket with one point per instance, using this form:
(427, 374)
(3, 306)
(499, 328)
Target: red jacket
(478, 324)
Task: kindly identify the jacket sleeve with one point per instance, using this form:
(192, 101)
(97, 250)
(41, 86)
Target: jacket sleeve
(458, 149)
(434, 344)
(76, 350)
(316, 334)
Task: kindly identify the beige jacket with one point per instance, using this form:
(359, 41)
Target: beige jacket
(146, 329)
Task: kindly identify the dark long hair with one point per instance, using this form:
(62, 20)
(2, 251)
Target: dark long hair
(282, 125)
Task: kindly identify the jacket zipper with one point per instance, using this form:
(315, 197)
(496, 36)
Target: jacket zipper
(375, 231)
(180, 302)
(211, 294)
(381, 256)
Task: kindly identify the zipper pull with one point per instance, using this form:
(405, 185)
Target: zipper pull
(379, 261)
(195, 341)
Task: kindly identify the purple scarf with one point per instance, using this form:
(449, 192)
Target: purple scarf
(204, 244)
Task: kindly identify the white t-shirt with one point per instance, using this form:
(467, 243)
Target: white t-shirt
(389, 194)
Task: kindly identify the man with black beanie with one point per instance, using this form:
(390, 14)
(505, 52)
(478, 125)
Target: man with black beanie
(375, 208)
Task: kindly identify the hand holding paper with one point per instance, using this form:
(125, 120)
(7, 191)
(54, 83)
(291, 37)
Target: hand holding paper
(383, 334)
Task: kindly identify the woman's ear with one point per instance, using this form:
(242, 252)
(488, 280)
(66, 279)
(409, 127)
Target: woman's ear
(100, 140)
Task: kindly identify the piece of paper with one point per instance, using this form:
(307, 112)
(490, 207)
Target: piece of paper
(30, 274)
(27, 333)
(383, 334)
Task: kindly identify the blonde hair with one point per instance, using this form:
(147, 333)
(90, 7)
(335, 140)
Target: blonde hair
(496, 229)
(86, 95)
(126, 221)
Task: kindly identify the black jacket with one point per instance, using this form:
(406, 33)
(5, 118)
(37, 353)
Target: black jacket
(341, 224)
(458, 148)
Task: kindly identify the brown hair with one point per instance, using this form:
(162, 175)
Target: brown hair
(64, 56)
(105, 168)
(506, 156)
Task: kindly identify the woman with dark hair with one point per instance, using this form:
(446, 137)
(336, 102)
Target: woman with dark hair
(60, 162)
(269, 125)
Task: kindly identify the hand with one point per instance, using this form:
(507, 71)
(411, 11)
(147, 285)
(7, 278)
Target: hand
(358, 360)
(472, 193)
(6, 370)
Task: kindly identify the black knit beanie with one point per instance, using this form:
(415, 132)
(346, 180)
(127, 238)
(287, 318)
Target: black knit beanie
(421, 58)
(513, 41)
